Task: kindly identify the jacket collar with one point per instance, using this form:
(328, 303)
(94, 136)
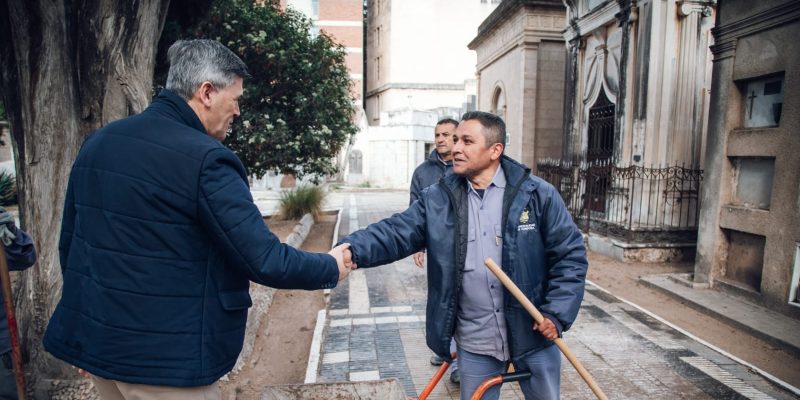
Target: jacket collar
(515, 171)
(434, 158)
(170, 104)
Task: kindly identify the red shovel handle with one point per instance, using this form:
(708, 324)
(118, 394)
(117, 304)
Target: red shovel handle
(16, 355)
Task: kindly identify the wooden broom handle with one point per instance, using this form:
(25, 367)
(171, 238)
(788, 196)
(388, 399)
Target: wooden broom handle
(537, 316)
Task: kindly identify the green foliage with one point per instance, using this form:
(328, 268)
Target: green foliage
(297, 110)
(364, 184)
(300, 201)
(8, 189)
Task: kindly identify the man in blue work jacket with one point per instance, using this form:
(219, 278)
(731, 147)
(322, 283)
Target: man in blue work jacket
(438, 164)
(490, 207)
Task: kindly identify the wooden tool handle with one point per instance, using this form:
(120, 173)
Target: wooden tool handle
(537, 316)
(16, 354)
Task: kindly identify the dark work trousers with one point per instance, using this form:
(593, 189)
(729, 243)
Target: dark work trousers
(8, 386)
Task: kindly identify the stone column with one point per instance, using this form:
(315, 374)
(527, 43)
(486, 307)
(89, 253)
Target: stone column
(570, 94)
(686, 140)
(627, 17)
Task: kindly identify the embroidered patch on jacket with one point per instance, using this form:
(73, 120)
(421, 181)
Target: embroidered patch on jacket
(523, 219)
(523, 222)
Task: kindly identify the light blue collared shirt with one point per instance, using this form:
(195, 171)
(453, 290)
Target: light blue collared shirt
(481, 323)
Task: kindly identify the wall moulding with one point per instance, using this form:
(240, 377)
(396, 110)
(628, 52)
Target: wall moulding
(725, 36)
(599, 17)
(703, 7)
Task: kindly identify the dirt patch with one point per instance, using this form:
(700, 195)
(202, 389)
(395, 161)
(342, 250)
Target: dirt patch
(281, 228)
(622, 279)
(283, 340)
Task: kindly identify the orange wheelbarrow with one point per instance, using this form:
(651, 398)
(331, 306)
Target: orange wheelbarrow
(517, 376)
(484, 386)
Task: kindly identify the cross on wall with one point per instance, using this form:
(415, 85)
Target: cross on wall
(752, 98)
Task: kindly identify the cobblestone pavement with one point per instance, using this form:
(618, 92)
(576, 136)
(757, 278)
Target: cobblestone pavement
(375, 328)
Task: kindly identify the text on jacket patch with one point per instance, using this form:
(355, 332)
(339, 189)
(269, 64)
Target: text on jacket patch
(523, 220)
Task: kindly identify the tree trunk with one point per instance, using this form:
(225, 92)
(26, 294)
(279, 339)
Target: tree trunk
(68, 67)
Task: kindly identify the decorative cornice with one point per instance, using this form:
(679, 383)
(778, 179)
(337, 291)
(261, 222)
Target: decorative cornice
(704, 7)
(594, 19)
(505, 10)
(528, 39)
(572, 34)
(726, 36)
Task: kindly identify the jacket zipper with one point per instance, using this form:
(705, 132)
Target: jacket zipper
(457, 246)
(506, 209)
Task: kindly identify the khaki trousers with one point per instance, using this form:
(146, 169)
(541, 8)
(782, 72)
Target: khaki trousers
(116, 390)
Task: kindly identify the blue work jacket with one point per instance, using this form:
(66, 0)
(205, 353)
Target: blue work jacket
(20, 255)
(543, 253)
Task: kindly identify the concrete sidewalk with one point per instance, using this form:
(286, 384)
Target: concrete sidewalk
(777, 329)
(375, 329)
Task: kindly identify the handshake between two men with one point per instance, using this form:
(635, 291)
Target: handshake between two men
(344, 259)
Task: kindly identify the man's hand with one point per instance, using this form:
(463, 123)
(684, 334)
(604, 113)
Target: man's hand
(82, 373)
(547, 328)
(344, 259)
(419, 259)
(348, 258)
(8, 231)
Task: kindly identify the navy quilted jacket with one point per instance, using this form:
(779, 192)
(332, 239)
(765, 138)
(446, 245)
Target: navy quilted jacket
(159, 240)
(543, 253)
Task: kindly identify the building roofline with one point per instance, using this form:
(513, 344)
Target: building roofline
(503, 11)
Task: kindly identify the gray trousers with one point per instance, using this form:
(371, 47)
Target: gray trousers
(544, 365)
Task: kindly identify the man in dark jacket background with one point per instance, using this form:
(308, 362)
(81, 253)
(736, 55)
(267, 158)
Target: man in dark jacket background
(160, 239)
(490, 207)
(438, 164)
(20, 255)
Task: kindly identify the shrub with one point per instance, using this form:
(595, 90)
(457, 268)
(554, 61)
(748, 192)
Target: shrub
(297, 111)
(300, 201)
(8, 189)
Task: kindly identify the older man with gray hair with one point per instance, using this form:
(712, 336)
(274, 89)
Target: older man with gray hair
(160, 239)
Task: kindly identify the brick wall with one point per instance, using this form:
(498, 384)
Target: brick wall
(348, 36)
(340, 10)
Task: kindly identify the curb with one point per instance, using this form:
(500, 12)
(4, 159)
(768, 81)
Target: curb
(737, 317)
(777, 381)
(315, 350)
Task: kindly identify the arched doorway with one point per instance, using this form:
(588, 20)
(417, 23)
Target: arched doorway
(600, 143)
(499, 103)
(599, 152)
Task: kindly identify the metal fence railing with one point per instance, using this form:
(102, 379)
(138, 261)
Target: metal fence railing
(639, 204)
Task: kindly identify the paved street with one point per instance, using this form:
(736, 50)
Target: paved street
(374, 328)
